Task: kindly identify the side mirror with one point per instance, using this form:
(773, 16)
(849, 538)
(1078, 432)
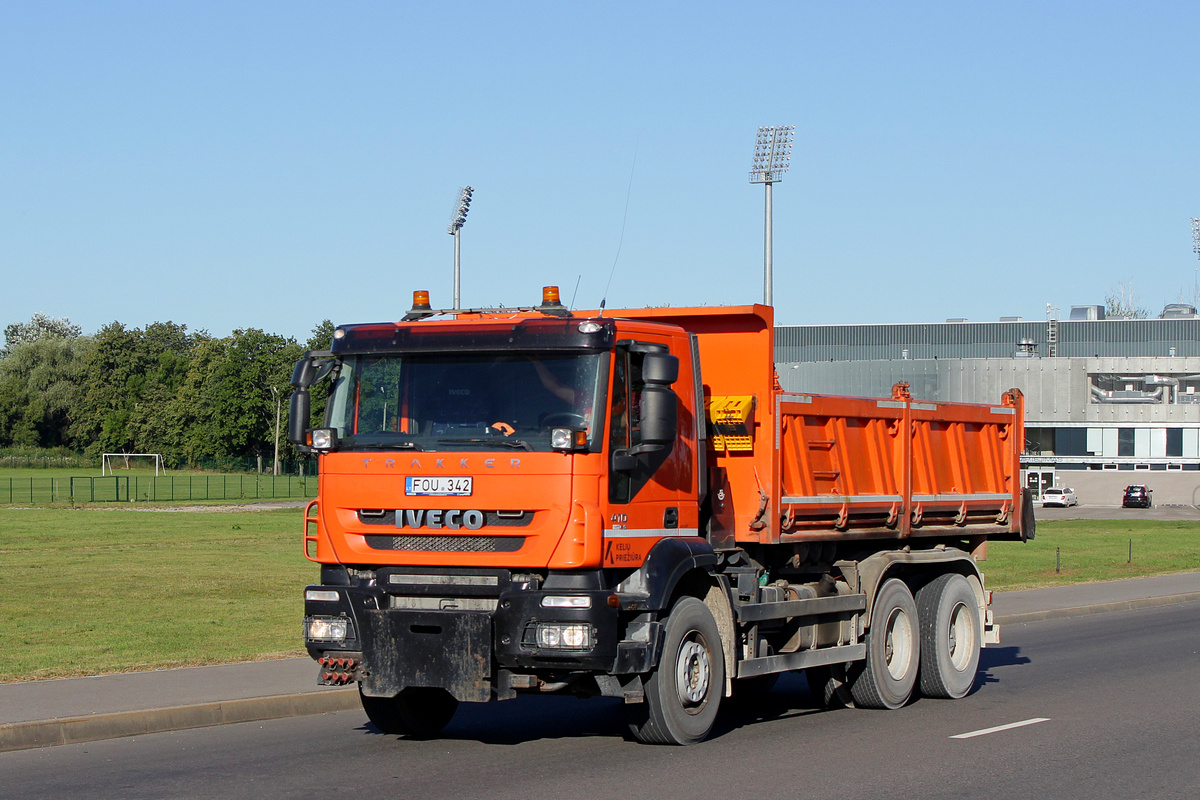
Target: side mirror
(660, 368)
(659, 412)
(311, 369)
(659, 420)
(299, 409)
(304, 374)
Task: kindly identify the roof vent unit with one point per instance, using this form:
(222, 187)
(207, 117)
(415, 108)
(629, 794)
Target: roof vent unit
(1087, 312)
(1178, 311)
(1011, 319)
(957, 319)
(1026, 348)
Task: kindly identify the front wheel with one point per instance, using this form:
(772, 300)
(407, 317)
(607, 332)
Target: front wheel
(885, 679)
(684, 691)
(417, 711)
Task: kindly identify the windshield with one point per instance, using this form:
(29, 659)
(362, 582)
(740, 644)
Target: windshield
(440, 401)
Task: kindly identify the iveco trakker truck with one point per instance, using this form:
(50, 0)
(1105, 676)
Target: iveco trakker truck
(626, 504)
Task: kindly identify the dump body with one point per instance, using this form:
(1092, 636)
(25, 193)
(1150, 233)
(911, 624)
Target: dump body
(806, 467)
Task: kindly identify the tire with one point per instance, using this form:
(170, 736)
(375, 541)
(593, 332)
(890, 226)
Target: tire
(417, 711)
(683, 693)
(887, 676)
(951, 636)
(828, 686)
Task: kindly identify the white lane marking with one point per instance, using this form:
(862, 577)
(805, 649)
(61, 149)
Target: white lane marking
(999, 728)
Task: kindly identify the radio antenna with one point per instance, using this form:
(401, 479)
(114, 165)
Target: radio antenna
(624, 217)
(574, 293)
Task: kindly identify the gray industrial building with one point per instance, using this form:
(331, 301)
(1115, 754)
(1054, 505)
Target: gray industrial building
(1109, 402)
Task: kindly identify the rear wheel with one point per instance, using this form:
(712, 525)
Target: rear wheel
(885, 679)
(417, 711)
(684, 691)
(950, 636)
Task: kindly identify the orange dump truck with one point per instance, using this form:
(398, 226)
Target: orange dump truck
(626, 504)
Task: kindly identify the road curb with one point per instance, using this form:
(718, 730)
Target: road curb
(1097, 608)
(75, 730)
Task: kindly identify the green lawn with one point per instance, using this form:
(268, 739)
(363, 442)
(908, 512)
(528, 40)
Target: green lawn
(94, 591)
(1093, 550)
(97, 591)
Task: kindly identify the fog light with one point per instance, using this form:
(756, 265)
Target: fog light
(566, 601)
(555, 636)
(326, 629)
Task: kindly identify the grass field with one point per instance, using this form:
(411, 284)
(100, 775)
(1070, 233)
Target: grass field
(97, 591)
(46, 487)
(1093, 550)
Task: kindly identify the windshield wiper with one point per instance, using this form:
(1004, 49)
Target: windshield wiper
(519, 444)
(384, 446)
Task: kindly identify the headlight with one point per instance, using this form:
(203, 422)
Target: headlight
(322, 595)
(568, 439)
(559, 636)
(326, 629)
(323, 438)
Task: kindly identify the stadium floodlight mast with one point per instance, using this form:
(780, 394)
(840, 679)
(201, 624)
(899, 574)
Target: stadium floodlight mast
(1196, 236)
(456, 222)
(772, 157)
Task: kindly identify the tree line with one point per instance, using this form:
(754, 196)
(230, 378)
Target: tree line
(189, 396)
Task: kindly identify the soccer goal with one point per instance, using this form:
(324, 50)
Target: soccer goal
(109, 462)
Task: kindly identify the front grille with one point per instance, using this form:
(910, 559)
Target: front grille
(491, 519)
(447, 544)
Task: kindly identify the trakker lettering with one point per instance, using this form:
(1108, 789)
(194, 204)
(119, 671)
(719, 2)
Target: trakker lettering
(440, 463)
(450, 518)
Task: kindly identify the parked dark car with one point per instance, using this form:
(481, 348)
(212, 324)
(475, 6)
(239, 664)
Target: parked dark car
(1137, 497)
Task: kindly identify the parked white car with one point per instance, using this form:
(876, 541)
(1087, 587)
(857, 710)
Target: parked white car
(1059, 496)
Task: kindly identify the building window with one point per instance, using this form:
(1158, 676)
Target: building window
(1039, 441)
(1125, 438)
(1070, 442)
(1174, 442)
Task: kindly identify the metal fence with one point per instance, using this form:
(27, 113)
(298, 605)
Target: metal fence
(148, 488)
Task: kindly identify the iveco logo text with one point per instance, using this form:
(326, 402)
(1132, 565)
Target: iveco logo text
(453, 518)
(440, 463)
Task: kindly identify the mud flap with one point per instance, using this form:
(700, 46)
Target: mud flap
(446, 650)
(991, 631)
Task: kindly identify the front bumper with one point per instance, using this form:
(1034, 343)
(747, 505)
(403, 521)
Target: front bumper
(412, 634)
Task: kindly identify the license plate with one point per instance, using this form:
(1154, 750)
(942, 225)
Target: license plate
(437, 487)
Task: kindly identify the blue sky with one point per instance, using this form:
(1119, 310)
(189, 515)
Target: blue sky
(271, 164)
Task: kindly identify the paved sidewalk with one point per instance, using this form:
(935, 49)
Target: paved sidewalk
(71, 710)
(1031, 605)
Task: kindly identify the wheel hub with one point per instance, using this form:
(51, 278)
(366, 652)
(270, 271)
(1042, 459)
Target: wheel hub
(898, 646)
(692, 673)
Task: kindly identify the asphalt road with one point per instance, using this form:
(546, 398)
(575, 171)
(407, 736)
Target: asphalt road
(1118, 694)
